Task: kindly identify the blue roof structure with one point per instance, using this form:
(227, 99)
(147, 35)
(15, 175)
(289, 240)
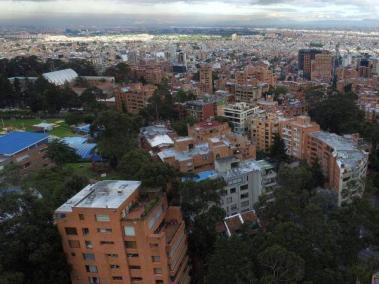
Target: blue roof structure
(83, 128)
(79, 144)
(15, 142)
(211, 174)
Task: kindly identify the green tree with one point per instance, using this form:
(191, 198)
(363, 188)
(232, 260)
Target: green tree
(31, 250)
(278, 149)
(116, 134)
(121, 72)
(138, 165)
(231, 262)
(281, 265)
(345, 119)
(60, 153)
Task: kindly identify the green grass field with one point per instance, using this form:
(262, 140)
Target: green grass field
(61, 130)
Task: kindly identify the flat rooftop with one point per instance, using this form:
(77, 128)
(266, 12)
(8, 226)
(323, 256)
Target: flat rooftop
(103, 194)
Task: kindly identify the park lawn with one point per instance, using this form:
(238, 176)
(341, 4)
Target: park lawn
(27, 124)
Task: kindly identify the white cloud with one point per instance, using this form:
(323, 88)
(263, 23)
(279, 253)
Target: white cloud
(281, 9)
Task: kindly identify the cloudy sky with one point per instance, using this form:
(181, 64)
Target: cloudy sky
(284, 10)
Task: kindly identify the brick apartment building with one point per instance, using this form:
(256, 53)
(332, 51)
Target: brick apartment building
(134, 97)
(208, 142)
(263, 130)
(206, 79)
(25, 149)
(344, 165)
(294, 133)
(201, 110)
(322, 67)
(113, 232)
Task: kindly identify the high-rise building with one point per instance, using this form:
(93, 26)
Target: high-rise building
(116, 232)
(343, 164)
(206, 80)
(322, 67)
(294, 133)
(263, 130)
(305, 58)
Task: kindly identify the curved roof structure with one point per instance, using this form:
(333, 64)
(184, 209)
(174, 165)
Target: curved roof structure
(60, 77)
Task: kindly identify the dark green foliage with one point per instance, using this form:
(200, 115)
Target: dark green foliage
(116, 134)
(7, 93)
(161, 105)
(231, 262)
(338, 114)
(138, 165)
(306, 237)
(120, 72)
(60, 153)
(183, 96)
(74, 118)
(31, 249)
(278, 150)
(181, 126)
(89, 97)
(281, 265)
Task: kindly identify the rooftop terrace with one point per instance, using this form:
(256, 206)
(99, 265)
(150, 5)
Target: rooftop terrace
(103, 194)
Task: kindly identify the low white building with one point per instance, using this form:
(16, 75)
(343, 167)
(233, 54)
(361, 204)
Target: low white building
(61, 77)
(245, 181)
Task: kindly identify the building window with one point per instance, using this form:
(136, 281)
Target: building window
(131, 255)
(134, 267)
(81, 217)
(71, 231)
(73, 254)
(104, 230)
(137, 280)
(229, 200)
(244, 195)
(115, 266)
(93, 280)
(154, 245)
(106, 242)
(159, 282)
(117, 278)
(91, 268)
(131, 244)
(113, 255)
(233, 190)
(245, 203)
(85, 231)
(74, 244)
(244, 187)
(129, 231)
(88, 244)
(88, 256)
(233, 207)
(102, 218)
(157, 270)
(156, 258)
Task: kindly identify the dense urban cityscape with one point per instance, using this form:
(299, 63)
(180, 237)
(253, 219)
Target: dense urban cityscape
(189, 155)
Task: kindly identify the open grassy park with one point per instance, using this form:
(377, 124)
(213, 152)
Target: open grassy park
(61, 129)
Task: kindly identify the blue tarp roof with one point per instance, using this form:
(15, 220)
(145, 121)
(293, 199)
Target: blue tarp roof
(14, 142)
(80, 145)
